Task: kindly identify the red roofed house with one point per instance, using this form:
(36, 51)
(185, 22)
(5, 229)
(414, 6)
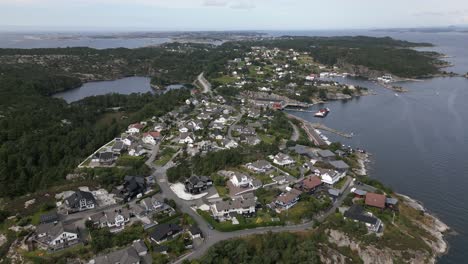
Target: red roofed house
(311, 183)
(376, 200)
(151, 137)
(135, 128)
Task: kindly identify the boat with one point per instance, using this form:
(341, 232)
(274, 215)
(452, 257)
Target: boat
(323, 112)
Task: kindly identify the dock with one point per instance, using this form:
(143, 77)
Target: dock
(331, 130)
(310, 129)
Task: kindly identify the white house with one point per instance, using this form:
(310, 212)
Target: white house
(240, 180)
(186, 138)
(151, 138)
(329, 177)
(229, 144)
(115, 220)
(260, 166)
(183, 129)
(135, 128)
(222, 210)
(283, 159)
(56, 235)
(221, 120)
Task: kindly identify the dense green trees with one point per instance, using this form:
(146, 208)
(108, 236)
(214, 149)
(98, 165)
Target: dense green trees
(44, 138)
(268, 248)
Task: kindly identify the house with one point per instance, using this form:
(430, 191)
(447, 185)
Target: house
(135, 128)
(230, 144)
(164, 232)
(186, 138)
(129, 140)
(159, 127)
(244, 130)
(49, 218)
(137, 253)
(304, 151)
(259, 166)
(375, 200)
(326, 155)
(151, 204)
(132, 186)
(183, 129)
(356, 213)
(106, 158)
(329, 177)
(391, 203)
(339, 166)
(254, 113)
(284, 179)
(195, 232)
(119, 147)
(161, 249)
(286, 200)
(115, 220)
(196, 184)
(80, 201)
(311, 183)
(282, 159)
(224, 210)
(240, 180)
(151, 137)
(358, 193)
(54, 236)
(252, 140)
(136, 150)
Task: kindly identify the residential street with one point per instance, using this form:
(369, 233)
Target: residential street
(214, 236)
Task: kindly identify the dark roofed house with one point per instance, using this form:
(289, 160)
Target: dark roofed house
(326, 155)
(356, 213)
(133, 185)
(195, 232)
(391, 203)
(339, 165)
(80, 201)
(375, 200)
(197, 184)
(118, 147)
(106, 158)
(49, 217)
(164, 232)
(135, 254)
(287, 200)
(304, 151)
(55, 236)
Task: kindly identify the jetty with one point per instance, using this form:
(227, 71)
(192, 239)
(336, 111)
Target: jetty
(310, 129)
(331, 130)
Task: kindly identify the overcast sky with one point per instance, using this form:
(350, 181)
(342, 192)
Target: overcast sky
(230, 14)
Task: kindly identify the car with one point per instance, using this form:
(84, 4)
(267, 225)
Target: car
(210, 227)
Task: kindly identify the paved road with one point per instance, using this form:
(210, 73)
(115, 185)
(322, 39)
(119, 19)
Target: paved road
(213, 236)
(204, 83)
(295, 134)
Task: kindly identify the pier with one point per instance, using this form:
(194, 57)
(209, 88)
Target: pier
(331, 130)
(310, 128)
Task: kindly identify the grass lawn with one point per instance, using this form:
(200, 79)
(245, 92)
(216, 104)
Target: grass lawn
(295, 213)
(340, 183)
(244, 223)
(222, 191)
(166, 153)
(266, 138)
(225, 79)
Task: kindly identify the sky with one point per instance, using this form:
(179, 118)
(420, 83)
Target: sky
(230, 14)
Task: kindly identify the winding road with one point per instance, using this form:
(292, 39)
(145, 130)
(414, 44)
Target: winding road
(211, 236)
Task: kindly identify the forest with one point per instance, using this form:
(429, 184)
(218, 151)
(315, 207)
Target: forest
(44, 138)
(265, 249)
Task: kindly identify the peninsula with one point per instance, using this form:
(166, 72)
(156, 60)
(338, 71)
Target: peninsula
(217, 171)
